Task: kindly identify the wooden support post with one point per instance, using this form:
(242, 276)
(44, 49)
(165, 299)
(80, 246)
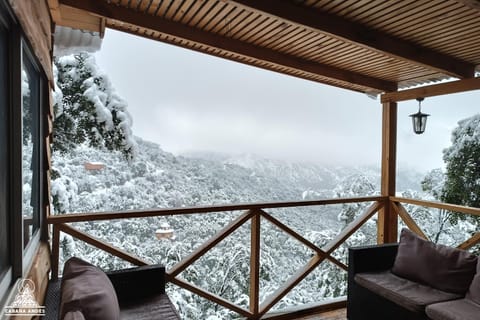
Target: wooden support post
(55, 251)
(255, 263)
(387, 217)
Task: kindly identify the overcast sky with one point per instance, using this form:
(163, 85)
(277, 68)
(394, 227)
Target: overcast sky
(188, 101)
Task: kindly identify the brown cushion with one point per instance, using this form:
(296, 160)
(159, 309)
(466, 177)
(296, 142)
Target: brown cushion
(87, 289)
(474, 290)
(441, 267)
(74, 315)
(462, 309)
(408, 294)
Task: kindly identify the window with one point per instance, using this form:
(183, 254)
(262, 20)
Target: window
(23, 89)
(5, 243)
(30, 148)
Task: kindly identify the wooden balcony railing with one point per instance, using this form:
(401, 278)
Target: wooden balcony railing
(253, 213)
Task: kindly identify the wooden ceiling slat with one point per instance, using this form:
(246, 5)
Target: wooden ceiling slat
(436, 25)
(246, 30)
(183, 9)
(223, 27)
(236, 23)
(215, 10)
(153, 7)
(181, 31)
(412, 18)
(388, 12)
(375, 39)
(194, 18)
(325, 47)
(173, 8)
(219, 17)
(302, 38)
(280, 36)
(162, 9)
(366, 10)
(262, 33)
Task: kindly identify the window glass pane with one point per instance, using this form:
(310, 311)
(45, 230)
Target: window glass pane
(4, 222)
(30, 152)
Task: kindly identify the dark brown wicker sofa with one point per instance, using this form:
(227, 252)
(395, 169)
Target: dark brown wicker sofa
(413, 280)
(86, 292)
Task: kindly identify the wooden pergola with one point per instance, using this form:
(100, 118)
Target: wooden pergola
(400, 50)
(371, 46)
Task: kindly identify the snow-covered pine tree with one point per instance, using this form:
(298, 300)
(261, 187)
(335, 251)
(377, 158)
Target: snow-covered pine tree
(87, 112)
(88, 109)
(462, 184)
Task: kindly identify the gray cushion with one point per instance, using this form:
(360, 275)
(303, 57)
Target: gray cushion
(474, 290)
(462, 309)
(441, 267)
(408, 294)
(87, 289)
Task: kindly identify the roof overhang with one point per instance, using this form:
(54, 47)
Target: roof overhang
(368, 46)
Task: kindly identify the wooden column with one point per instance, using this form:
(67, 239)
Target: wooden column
(387, 217)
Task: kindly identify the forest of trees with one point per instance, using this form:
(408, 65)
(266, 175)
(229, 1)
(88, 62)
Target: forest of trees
(92, 123)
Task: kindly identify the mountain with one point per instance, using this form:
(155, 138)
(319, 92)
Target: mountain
(91, 180)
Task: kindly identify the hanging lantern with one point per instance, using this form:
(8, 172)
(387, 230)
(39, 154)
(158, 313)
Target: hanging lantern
(419, 119)
(165, 232)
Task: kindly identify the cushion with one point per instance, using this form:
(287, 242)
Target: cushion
(87, 289)
(408, 294)
(155, 307)
(462, 309)
(441, 267)
(474, 290)
(74, 315)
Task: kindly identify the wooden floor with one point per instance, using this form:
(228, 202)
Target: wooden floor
(340, 314)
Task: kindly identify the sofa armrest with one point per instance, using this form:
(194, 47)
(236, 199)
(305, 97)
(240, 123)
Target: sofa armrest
(371, 258)
(138, 282)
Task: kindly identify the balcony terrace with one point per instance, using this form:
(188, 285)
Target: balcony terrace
(399, 50)
(255, 214)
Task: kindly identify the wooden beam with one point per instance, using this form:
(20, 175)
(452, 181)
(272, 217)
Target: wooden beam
(201, 250)
(209, 296)
(438, 205)
(407, 218)
(55, 252)
(102, 245)
(387, 218)
(359, 34)
(467, 244)
(255, 263)
(432, 90)
(182, 31)
(333, 308)
(302, 240)
(128, 214)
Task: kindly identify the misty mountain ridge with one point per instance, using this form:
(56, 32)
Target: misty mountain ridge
(157, 178)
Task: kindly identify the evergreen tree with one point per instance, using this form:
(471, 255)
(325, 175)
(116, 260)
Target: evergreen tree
(88, 110)
(462, 184)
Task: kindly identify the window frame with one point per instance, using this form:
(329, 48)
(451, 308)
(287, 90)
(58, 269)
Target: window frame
(21, 258)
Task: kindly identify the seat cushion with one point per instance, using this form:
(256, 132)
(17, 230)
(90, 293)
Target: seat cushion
(438, 266)
(149, 308)
(462, 309)
(87, 289)
(408, 294)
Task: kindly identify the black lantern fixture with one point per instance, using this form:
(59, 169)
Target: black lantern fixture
(419, 119)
